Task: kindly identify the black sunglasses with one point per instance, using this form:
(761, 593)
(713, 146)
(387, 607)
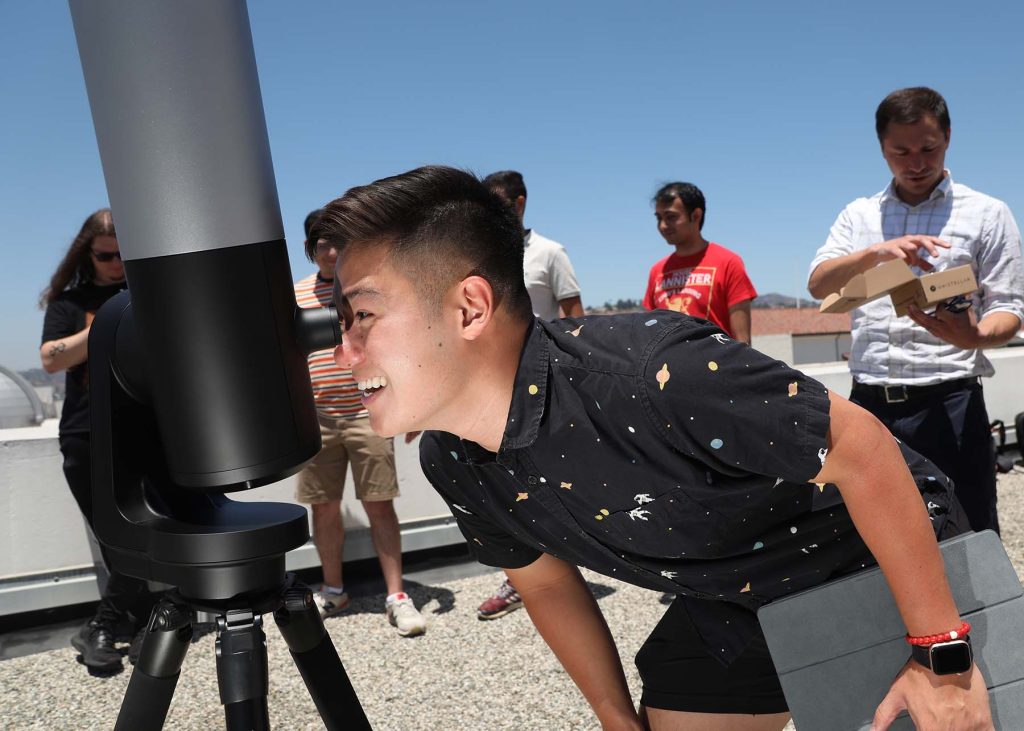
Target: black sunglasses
(106, 255)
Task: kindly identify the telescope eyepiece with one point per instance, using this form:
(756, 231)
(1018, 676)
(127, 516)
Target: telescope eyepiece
(317, 328)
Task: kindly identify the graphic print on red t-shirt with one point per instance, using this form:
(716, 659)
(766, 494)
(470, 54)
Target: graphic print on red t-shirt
(688, 291)
(702, 285)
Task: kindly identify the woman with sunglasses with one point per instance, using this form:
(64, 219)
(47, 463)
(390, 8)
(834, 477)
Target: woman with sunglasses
(90, 273)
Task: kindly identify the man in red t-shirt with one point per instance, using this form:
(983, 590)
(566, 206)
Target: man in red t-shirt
(701, 278)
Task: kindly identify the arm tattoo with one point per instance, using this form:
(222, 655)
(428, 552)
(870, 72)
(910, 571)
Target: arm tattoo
(57, 348)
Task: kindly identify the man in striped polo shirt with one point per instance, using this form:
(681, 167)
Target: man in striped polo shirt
(348, 440)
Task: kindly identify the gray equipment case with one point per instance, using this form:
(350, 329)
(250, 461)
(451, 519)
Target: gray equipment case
(838, 647)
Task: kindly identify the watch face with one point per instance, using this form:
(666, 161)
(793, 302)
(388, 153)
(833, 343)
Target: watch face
(951, 657)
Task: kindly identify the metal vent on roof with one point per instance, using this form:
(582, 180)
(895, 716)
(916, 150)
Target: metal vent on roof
(20, 406)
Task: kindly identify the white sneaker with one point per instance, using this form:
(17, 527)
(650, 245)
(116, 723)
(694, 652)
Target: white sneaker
(330, 603)
(402, 613)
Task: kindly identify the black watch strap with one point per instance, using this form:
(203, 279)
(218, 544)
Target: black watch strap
(945, 658)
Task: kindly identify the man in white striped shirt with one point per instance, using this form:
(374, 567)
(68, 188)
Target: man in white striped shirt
(920, 375)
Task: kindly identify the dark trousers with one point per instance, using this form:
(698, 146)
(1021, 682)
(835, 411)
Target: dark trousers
(122, 594)
(949, 425)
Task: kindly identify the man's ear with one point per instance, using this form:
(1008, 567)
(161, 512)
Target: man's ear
(520, 206)
(697, 216)
(475, 301)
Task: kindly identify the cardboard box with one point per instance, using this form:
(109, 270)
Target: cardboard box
(895, 279)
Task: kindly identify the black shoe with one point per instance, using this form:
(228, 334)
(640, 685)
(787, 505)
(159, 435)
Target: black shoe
(95, 642)
(135, 648)
(201, 629)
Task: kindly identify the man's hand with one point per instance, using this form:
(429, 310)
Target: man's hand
(947, 702)
(832, 274)
(959, 329)
(910, 249)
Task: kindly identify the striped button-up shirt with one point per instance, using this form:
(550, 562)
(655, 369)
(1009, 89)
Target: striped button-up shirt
(981, 232)
(334, 391)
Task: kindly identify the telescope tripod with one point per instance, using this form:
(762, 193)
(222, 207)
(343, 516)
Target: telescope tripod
(242, 674)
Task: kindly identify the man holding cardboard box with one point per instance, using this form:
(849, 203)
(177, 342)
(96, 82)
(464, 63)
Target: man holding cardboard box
(919, 373)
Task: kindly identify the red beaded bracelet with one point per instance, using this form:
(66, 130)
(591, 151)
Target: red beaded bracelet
(965, 627)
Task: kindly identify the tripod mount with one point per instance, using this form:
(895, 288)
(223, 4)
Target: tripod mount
(225, 557)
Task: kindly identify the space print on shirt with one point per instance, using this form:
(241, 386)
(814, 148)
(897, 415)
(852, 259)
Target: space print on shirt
(656, 450)
(652, 521)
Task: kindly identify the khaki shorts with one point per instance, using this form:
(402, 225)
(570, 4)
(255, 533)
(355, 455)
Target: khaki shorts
(348, 441)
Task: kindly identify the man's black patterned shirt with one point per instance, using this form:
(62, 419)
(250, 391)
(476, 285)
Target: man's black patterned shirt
(654, 449)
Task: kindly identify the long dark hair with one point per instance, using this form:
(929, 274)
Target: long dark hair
(76, 267)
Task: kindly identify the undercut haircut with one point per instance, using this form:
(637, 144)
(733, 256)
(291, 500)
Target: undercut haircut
(907, 106)
(438, 225)
(307, 226)
(508, 184)
(688, 194)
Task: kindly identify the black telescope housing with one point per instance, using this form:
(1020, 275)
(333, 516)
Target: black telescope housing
(216, 399)
(210, 349)
(198, 380)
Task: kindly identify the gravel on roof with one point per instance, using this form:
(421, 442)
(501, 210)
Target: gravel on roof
(463, 673)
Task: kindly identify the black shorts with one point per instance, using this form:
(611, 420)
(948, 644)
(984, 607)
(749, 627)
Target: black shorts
(680, 674)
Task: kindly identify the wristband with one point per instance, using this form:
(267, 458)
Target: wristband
(960, 633)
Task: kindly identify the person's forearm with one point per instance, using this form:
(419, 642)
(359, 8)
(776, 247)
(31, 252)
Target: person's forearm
(63, 353)
(739, 322)
(888, 512)
(997, 328)
(568, 618)
(832, 275)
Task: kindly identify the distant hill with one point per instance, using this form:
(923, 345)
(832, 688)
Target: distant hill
(763, 301)
(770, 300)
(617, 306)
(39, 377)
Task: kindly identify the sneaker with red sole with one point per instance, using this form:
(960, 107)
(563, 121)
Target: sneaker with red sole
(506, 600)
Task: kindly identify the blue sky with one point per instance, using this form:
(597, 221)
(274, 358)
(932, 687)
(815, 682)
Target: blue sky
(768, 107)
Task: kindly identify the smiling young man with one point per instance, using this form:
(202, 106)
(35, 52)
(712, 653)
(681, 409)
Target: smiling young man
(348, 443)
(649, 447)
(920, 375)
(700, 278)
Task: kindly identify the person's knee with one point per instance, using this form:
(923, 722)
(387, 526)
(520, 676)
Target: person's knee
(380, 510)
(326, 515)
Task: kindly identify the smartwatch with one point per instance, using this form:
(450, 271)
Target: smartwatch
(945, 658)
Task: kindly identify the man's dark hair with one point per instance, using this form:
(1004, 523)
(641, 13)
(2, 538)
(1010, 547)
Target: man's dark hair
(507, 183)
(907, 106)
(440, 225)
(307, 225)
(687, 193)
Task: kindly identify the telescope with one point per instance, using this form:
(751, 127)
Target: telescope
(198, 382)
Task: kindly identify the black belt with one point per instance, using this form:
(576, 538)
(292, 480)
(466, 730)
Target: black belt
(901, 394)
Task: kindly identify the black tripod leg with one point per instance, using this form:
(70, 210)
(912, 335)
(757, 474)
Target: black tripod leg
(318, 662)
(242, 673)
(151, 687)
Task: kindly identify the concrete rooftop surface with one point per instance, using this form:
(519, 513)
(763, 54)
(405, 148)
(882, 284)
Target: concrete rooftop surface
(463, 674)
